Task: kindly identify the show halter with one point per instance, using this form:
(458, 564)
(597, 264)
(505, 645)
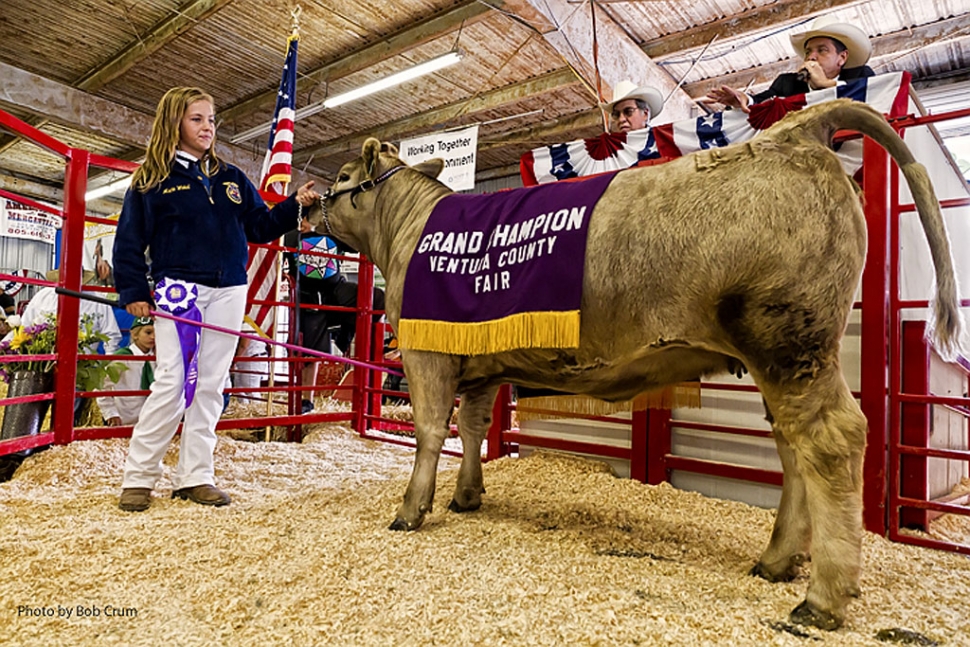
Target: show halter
(354, 191)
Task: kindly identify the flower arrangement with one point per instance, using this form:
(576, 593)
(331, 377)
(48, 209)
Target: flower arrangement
(41, 339)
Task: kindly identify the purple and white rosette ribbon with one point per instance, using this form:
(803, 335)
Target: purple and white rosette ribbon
(178, 298)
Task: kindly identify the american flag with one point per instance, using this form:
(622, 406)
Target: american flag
(887, 93)
(263, 266)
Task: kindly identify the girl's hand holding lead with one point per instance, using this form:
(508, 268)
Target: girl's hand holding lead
(305, 195)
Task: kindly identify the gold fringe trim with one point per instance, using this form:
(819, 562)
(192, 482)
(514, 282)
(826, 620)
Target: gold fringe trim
(685, 394)
(279, 177)
(522, 330)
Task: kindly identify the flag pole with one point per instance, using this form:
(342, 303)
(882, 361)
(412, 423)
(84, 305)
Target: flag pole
(282, 180)
(272, 364)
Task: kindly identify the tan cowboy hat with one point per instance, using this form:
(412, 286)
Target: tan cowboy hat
(857, 44)
(88, 277)
(629, 90)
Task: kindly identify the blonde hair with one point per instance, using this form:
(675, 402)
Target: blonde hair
(136, 333)
(165, 139)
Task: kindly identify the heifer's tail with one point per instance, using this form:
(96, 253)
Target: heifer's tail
(852, 115)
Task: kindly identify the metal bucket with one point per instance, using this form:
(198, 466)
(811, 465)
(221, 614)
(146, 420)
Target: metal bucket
(25, 419)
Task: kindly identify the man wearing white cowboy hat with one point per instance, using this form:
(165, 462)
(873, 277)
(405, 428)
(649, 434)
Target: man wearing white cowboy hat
(633, 106)
(833, 51)
(103, 319)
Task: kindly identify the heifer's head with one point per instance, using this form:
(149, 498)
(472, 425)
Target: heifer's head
(346, 210)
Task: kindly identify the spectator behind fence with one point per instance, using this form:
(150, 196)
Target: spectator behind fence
(44, 302)
(633, 106)
(8, 305)
(832, 52)
(249, 375)
(124, 410)
(322, 283)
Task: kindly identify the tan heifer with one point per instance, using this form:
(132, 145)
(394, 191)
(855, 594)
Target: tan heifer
(748, 253)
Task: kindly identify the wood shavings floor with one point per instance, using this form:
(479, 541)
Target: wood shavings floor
(561, 553)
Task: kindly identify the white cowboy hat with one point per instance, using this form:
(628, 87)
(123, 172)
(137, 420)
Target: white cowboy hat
(629, 90)
(857, 44)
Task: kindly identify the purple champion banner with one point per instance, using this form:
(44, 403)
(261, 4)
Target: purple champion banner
(485, 257)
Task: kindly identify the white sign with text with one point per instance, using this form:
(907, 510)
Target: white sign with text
(18, 221)
(458, 148)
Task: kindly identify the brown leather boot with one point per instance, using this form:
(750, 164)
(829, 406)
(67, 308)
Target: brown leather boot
(204, 494)
(135, 499)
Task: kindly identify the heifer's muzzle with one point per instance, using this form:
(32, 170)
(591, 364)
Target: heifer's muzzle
(354, 191)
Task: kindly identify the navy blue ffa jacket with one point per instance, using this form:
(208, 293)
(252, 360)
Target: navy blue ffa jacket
(194, 229)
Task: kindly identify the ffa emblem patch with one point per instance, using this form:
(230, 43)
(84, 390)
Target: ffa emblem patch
(232, 192)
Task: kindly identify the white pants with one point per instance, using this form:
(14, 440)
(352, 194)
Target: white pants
(163, 410)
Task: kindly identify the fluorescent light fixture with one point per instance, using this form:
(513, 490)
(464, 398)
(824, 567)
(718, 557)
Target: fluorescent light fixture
(108, 189)
(397, 78)
(433, 65)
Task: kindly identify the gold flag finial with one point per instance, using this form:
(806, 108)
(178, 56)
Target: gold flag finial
(295, 15)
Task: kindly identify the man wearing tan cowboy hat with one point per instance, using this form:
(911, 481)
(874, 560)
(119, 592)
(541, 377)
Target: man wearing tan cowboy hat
(833, 52)
(45, 302)
(633, 106)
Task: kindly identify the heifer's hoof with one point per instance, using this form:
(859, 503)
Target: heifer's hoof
(759, 570)
(401, 524)
(811, 616)
(790, 571)
(454, 506)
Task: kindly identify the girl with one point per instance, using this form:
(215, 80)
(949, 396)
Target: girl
(184, 227)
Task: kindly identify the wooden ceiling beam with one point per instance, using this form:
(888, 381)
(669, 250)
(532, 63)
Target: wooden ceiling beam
(75, 108)
(436, 117)
(157, 37)
(86, 112)
(742, 25)
(882, 46)
(569, 28)
(53, 195)
(552, 130)
(424, 31)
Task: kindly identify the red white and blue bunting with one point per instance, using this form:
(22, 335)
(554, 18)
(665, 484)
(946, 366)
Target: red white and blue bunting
(887, 93)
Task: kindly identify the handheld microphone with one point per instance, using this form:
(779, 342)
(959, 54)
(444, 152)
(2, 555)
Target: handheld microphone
(803, 75)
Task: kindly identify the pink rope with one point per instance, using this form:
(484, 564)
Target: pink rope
(300, 349)
(164, 315)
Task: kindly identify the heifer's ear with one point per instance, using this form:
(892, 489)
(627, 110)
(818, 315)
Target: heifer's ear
(388, 147)
(369, 153)
(432, 167)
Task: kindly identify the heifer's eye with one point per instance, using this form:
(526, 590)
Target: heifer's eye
(343, 177)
